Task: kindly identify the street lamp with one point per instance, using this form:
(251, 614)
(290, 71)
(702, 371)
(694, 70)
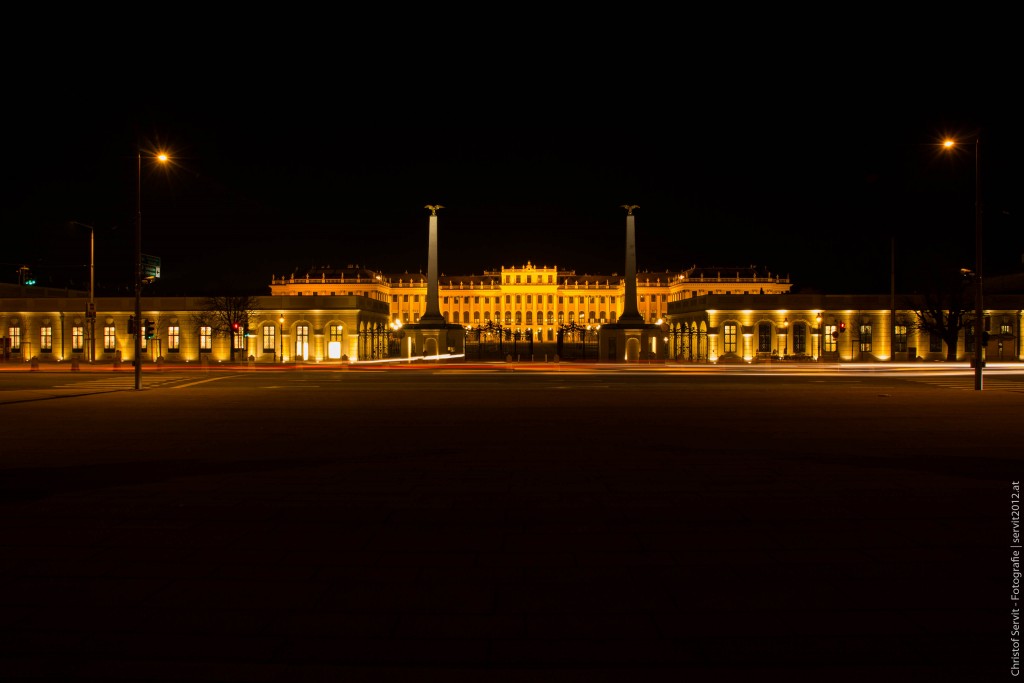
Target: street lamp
(817, 321)
(979, 309)
(162, 158)
(280, 332)
(90, 314)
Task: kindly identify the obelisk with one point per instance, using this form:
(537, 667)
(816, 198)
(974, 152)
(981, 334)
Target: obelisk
(630, 312)
(432, 315)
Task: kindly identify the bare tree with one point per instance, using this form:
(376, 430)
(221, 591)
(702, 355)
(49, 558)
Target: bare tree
(945, 307)
(228, 315)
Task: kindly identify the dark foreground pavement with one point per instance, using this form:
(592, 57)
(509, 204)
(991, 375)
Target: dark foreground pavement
(507, 529)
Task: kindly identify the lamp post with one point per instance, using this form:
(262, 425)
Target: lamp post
(280, 322)
(90, 315)
(162, 158)
(817, 321)
(979, 308)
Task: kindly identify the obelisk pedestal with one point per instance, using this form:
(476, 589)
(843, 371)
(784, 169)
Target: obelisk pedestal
(432, 337)
(629, 339)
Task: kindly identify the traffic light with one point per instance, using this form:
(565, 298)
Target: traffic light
(842, 327)
(131, 324)
(245, 330)
(234, 327)
(150, 329)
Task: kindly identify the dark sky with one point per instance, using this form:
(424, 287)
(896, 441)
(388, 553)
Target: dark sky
(805, 159)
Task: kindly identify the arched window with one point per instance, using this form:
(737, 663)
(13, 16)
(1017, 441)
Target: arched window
(799, 338)
(508, 317)
(476, 317)
(529, 317)
(764, 337)
(487, 316)
(465, 317)
(519, 317)
(551, 317)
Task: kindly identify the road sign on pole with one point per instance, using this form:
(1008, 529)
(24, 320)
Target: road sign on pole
(150, 267)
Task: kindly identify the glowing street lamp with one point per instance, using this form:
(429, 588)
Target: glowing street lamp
(979, 312)
(162, 158)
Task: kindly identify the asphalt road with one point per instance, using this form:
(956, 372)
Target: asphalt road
(506, 525)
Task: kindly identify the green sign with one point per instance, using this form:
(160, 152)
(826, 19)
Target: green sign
(150, 267)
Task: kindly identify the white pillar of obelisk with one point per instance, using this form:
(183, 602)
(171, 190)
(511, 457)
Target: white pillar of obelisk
(630, 312)
(432, 314)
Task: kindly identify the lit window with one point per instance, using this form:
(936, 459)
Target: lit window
(302, 342)
(46, 339)
(865, 338)
(77, 337)
(729, 337)
(205, 338)
(173, 338)
(899, 339)
(830, 338)
(14, 332)
(269, 338)
(109, 338)
(239, 339)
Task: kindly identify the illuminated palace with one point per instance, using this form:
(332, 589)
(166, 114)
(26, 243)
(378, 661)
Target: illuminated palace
(333, 314)
(530, 298)
(700, 314)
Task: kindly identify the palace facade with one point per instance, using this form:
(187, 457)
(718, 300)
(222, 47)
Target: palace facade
(709, 315)
(531, 298)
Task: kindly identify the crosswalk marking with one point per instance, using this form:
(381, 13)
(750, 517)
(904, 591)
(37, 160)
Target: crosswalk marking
(114, 383)
(967, 383)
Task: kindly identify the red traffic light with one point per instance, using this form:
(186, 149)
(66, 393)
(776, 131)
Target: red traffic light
(842, 327)
(234, 326)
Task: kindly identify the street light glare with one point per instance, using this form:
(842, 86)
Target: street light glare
(162, 157)
(947, 143)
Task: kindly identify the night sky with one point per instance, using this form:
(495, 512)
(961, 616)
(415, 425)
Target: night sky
(807, 163)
